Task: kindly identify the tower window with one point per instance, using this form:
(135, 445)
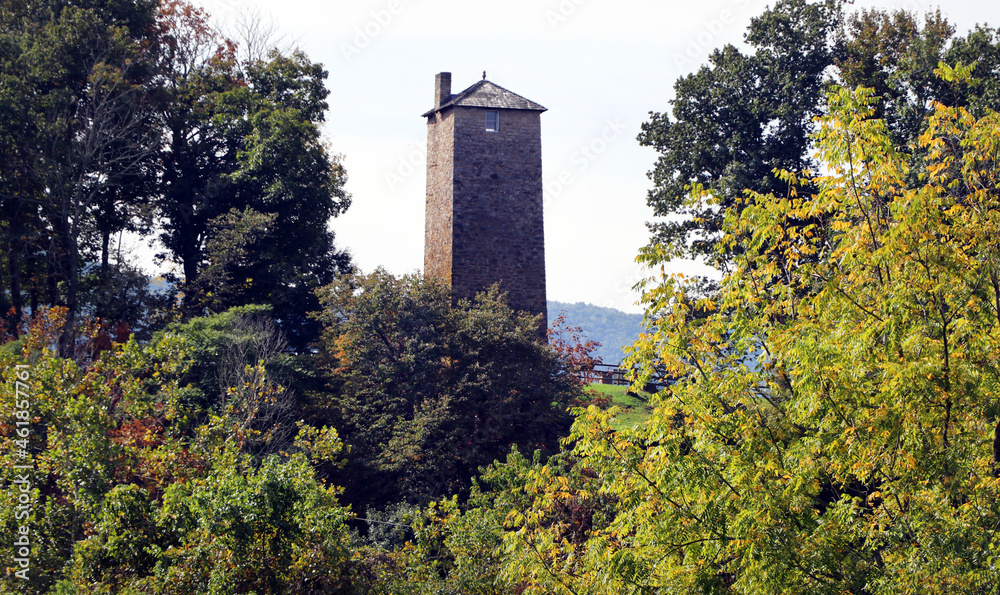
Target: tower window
(492, 120)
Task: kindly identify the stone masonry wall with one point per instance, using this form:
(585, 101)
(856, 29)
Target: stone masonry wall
(484, 205)
(497, 225)
(440, 182)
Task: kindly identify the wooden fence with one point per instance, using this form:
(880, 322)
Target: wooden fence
(618, 376)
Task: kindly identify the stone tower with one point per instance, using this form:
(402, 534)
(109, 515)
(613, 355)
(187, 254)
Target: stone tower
(484, 193)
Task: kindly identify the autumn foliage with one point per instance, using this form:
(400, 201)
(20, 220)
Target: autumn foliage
(833, 426)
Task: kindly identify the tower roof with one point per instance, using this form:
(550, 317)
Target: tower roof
(489, 95)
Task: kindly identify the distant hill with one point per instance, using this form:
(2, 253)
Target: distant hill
(612, 328)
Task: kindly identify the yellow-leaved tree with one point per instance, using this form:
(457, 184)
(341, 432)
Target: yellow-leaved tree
(834, 425)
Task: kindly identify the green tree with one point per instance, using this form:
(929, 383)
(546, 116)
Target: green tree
(427, 393)
(196, 65)
(896, 57)
(454, 547)
(287, 172)
(245, 152)
(736, 120)
(77, 78)
(833, 425)
(240, 371)
(268, 528)
(741, 117)
(135, 487)
(116, 114)
(95, 421)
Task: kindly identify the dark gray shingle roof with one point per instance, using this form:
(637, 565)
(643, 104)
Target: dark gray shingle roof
(486, 94)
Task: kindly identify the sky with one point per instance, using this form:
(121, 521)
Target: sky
(599, 66)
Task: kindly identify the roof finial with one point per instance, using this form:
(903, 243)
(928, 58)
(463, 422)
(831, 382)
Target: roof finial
(484, 75)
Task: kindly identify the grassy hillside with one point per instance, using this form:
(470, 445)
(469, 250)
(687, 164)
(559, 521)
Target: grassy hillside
(635, 407)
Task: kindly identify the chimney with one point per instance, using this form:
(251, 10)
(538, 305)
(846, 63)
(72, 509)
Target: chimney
(442, 88)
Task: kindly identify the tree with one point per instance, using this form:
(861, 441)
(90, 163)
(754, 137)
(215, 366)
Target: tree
(76, 85)
(737, 120)
(95, 421)
(241, 374)
(113, 143)
(17, 185)
(136, 487)
(119, 114)
(896, 57)
(833, 426)
(244, 144)
(270, 528)
(428, 393)
(286, 171)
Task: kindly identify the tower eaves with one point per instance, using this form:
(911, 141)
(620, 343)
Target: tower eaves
(488, 95)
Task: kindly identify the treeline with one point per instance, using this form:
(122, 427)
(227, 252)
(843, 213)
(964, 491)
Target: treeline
(214, 459)
(831, 423)
(141, 116)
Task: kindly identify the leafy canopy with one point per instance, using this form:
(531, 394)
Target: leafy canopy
(429, 392)
(741, 117)
(137, 487)
(833, 426)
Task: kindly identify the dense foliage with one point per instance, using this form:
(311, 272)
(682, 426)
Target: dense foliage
(428, 393)
(118, 115)
(743, 116)
(134, 487)
(833, 421)
(182, 465)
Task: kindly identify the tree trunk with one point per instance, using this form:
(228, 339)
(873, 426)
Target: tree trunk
(996, 450)
(51, 278)
(105, 243)
(14, 262)
(4, 303)
(67, 340)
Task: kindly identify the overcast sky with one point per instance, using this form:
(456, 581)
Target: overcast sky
(599, 66)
